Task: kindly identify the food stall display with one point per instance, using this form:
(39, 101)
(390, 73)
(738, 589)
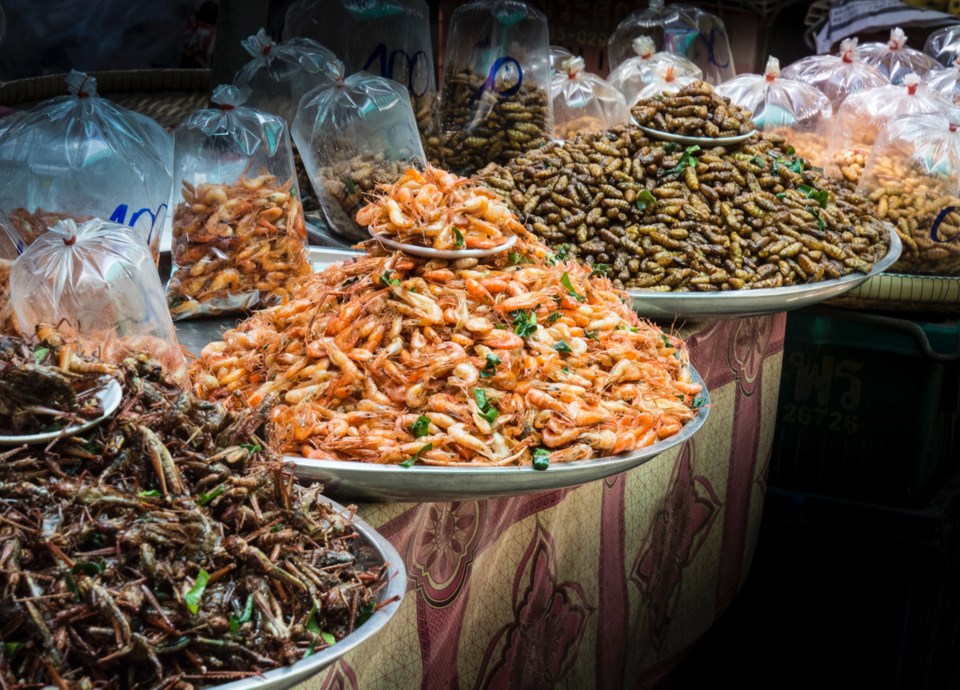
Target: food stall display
(583, 102)
(648, 72)
(895, 59)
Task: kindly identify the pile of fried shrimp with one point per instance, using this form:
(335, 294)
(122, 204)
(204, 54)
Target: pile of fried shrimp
(519, 358)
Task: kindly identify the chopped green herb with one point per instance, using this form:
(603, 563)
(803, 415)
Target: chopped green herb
(790, 150)
(365, 611)
(625, 327)
(699, 402)
(40, 354)
(558, 256)
(781, 195)
(195, 594)
(490, 368)
(458, 241)
(276, 528)
(821, 196)
(252, 448)
(757, 161)
(666, 340)
(409, 462)
(310, 649)
(386, 280)
(592, 335)
(516, 258)
(152, 493)
(562, 347)
(645, 200)
(245, 616)
(487, 410)
(421, 427)
(11, 648)
(312, 624)
(524, 323)
(565, 281)
(88, 568)
(555, 316)
(204, 499)
(328, 638)
(687, 160)
(541, 458)
(821, 223)
(600, 269)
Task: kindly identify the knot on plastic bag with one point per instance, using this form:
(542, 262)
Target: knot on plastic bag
(848, 47)
(258, 45)
(67, 231)
(81, 84)
(772, 70)
(228, 96)
(898, 39)
(911, 81)
(644, 47)
(573, 66)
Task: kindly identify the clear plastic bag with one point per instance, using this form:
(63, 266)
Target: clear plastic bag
(895, 59)
(913, 182)
(837, 76)
(387, 38)
(663, 79)
(238, 228)
(557, 55)
(583, 102)
(633, 75)
(688, 31)
(99, 286)
(81, 156)
(863, 116)
(10, 247)
(943, 45)
(354, 135)
(495, 99)
(798, 112)
(280, 74)
(945, 81)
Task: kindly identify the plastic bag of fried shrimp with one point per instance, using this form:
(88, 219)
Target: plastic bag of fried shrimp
(100, 287)
(238, 229)
(837, 76)
(633, 75)
(583, 102)
(280, 74)
(895, 59)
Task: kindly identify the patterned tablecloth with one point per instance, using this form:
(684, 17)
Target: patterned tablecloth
(604, 585)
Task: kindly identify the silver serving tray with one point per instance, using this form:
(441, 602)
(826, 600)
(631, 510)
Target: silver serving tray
(288, 676)
(704, 141)
(729, 304)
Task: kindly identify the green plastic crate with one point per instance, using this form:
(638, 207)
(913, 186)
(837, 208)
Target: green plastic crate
(868, 406)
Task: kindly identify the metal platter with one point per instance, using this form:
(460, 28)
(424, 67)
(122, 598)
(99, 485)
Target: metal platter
(378, 550)
(729, 304)
(110, 395)
(700, 141)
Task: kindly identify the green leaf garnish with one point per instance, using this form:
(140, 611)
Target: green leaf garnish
(490, 368)
(252, 448)
(821, 196)
(459, 237)
(645, 200)
(555, 316)
(487, 410)
(40, 354)
(328, 638)
(524, 323)
(312, 624)
(562, 347)
(365, 611)
(558, 256)
(541, 458)
(195, 594)
(699, 402)
(421, 427)
(245, 616)
(386, 280)
(516, 258)
(790, 150)
(204, 499)
(626, 327)
(687, 159)
(600, 270)
(152, 493)
(11, 648)
(409, 462)
(567, 283)
(592, 335)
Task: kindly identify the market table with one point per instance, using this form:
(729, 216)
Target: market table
(603, 585)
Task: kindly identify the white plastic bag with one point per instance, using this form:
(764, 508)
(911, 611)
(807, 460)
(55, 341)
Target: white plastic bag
(99, 286)
(895, 59)
(82, 156)
(632, 76)
(583, 102)
(837, 76)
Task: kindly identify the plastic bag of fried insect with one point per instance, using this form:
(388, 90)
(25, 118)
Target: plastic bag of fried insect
(583, 102)
(632, 76)
(495, 98)
(238, 231)
(694, 33)
(863, 116)
(945, 81)
(11, 245)
(81, 156)
(912, 180)
(895, 59)
(943, 45)
(353, 136)
(280, 74)
(100, 288)
(837, 76)
(797, 111)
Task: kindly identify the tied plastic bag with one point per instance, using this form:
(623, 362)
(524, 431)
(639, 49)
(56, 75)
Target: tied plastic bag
(99, 286)
(280, 74)
(386, 38)
(913, 182)
(943, 45)
(10, 247)
(836, 76)
(691, 32)
(81, 156)
(557, 55)
(798, 112)
(354, 135)
(238, 229)
(632, 76)
(945, 81)
(863, 116)
(895, 59)
(583, 102)
(496, 84)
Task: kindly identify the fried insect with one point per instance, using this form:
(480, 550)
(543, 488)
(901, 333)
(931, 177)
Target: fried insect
(695, 110)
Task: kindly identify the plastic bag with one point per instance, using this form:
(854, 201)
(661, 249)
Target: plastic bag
(583, 102)
(837, 76)
(943, 45)
(496, 84)
(895, 59)
(99, 286)
(81, 156)
(238, 228)
(945, 81)
(10, 247)
(633, 75)
(354, 135)
(557, 55)
(387, 38)
(663, 79)
(798, 112)
(863, 116)
(913, 182)
(688, 31)
(281, 73)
